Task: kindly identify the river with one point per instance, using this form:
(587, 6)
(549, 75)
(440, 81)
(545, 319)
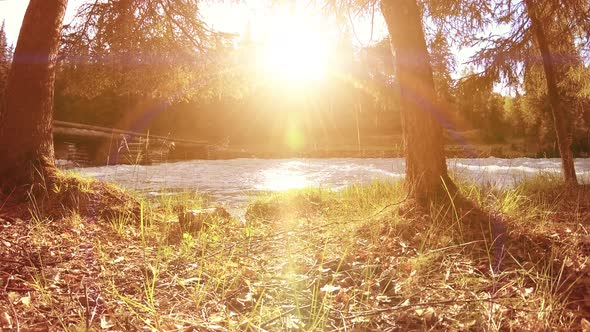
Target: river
(231, 182)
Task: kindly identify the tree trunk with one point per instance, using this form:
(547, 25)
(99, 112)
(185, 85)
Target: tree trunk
(26, 142)
(426, 168)
(560, 114)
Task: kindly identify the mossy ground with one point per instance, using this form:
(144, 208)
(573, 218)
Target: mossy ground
(362, 259)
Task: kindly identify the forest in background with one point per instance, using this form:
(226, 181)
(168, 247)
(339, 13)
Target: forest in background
(162, 84)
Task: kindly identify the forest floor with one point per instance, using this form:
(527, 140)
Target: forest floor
(362, 259)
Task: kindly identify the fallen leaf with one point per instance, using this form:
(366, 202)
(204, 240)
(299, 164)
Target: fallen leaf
(249, 298)
(361, 319)
(293, 323)
(5, 321)
(383, 299)
(330, 288)
(26, 301)
(188, 281)
(342, 297)
(429, 314)
(104, 323)
(13, 297)
(118, 260)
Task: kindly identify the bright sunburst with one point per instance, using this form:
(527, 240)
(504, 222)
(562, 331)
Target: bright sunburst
(297, 48)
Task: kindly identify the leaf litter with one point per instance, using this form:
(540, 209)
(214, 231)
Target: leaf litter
(336, 267)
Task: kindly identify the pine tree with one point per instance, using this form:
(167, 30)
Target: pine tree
(4, 60)
(137, 48)
(26, 135)
(423, 113)
(426, 168)
(536, 32)
(26, 142)
(539, 12)
(443, 63)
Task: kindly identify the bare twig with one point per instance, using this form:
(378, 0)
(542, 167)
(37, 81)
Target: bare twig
(443, 303)
(391, 205)
(87, 307)
(283, 314)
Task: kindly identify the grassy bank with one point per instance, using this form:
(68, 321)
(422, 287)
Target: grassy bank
(362, 259)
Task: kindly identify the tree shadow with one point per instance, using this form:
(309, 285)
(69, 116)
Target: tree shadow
(530, 270)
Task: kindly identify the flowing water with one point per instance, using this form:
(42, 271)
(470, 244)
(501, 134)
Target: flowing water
(231, 182)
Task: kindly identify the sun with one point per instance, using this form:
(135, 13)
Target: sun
(297, 48)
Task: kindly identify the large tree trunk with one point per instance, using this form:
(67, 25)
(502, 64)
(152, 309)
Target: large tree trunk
(426, 168)
(560, 113)
(26, 142)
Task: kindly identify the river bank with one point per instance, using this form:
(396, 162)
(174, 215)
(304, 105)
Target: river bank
(361, 259)
(465, 144)
(233, 182)
(394, 151)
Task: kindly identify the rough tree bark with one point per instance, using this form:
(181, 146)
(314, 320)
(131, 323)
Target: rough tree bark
(26, 143)
(426, 168)
(561, 119)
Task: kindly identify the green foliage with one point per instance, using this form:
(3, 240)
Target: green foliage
(131, 47)
(480, 107)
(514, 114)
(443, 63)
(535, 105)
(507, 52)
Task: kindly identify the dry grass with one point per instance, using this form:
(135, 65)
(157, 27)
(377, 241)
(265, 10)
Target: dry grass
(363, 259)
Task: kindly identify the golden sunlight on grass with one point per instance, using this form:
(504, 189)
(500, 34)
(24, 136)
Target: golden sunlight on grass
(297, 47)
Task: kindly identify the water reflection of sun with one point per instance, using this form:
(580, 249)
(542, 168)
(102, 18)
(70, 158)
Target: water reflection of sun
(281, 179)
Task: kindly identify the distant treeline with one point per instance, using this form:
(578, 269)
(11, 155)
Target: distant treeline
(222, 97)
